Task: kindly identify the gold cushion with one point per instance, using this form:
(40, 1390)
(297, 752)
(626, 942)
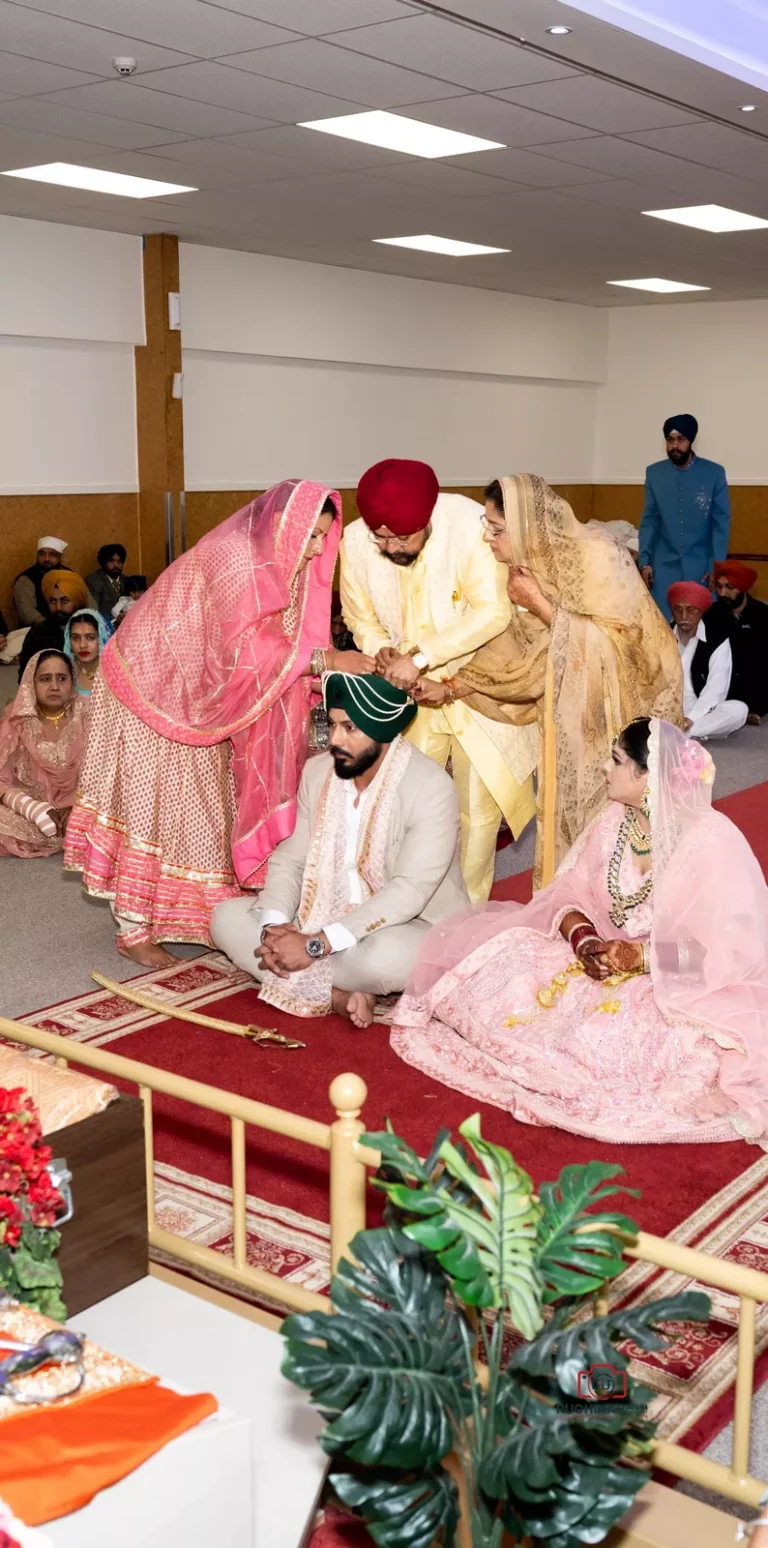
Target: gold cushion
(61, 1096)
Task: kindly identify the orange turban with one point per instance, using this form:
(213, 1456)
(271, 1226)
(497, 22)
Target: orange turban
(71, 585)
(742, 576)
(398, 494)
(690, 592)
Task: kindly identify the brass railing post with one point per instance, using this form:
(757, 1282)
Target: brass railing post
(348, 1174)
(745, 1365)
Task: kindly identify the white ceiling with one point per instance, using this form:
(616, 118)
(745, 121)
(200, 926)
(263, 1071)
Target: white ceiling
(598, 126)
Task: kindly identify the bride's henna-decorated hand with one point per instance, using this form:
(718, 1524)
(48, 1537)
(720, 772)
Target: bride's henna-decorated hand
(612, 957)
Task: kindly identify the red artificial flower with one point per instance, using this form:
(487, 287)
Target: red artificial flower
(11, 1101)
(11, 1220)
(11, 1176)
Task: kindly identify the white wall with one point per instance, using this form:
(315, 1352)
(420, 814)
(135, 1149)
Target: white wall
(707, 359)
(297, 368)
(68, 416)
(71, 311)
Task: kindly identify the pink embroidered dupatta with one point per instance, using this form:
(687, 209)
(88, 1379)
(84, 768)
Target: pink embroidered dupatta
(216, 649)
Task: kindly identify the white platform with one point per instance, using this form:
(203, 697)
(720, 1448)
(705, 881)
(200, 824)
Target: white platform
(205, 1348)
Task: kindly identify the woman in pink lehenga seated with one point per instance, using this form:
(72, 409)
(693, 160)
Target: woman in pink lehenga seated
(199, 720)
(41, 748)
(629, 1000)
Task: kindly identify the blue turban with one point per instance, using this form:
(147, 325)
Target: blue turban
(684, 424)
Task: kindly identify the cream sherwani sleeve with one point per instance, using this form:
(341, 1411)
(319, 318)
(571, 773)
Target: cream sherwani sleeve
(358, 609)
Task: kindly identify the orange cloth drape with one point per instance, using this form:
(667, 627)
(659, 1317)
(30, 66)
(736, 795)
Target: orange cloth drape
(53, 1460)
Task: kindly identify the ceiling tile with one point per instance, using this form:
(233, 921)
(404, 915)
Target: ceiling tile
(24, 77)
(521, 166)
(441, 177)
(40, 36)
(227, 87)
(203, 29)
(620, 158)
(598, 105)
(322, 149)
(314, 17)
(497, 120)
(453, 53)
(125, 100)
(712, 145)
(352, 77)
(21, 148)
(220, 163)
(54, 118)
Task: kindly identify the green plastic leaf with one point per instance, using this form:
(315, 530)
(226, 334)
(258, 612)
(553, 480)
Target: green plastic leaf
(577, 1254)
(403, 1513)
(570, 1353)
(388, 1369)
(32, 1272)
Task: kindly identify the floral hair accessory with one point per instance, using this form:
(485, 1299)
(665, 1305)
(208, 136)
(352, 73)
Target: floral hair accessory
(696, 766)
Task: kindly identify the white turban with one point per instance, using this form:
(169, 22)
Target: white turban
(51, 542)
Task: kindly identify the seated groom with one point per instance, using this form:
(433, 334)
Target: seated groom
(372, 863)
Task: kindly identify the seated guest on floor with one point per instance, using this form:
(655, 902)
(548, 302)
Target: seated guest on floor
(629, 1000)
(420, 591)
(707, 665)
(372, 862)
(585, 651)
(746, 622)
(64, 593)
(41, 747)
(135, 586)
(85, 636)
(106, 583)
(28, 598)
(199, 721)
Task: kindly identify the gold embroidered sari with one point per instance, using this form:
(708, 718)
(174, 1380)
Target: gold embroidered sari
(607, 657)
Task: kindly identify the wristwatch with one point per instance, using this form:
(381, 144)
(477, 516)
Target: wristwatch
(419, 660)
(315, 946)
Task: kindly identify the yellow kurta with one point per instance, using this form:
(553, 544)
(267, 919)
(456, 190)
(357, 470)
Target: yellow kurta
(457, 578)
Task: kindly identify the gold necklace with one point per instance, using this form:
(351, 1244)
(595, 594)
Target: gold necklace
(639, 839)
(621, 904)
(54, 719)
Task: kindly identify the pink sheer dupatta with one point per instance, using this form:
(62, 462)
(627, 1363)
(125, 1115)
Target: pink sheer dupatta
(53, 766)
(217, 647)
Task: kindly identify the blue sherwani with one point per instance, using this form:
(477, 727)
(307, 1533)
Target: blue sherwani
(685, 524)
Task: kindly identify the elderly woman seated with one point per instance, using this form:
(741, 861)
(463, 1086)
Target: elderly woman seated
(41, 747)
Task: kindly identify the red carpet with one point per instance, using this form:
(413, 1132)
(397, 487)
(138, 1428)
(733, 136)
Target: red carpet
(714, 1197)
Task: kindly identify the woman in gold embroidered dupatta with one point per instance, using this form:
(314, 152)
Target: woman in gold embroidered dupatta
(590, 652)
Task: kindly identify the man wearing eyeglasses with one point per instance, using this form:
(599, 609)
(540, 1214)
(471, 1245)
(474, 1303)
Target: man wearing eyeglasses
(421, 592)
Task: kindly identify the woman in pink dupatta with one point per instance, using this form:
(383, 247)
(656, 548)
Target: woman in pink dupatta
(200, 720)
(41, 748)
(629, 1000)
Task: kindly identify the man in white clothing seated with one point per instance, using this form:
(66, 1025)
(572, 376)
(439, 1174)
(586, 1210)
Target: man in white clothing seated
(707, 666)
(371, 865)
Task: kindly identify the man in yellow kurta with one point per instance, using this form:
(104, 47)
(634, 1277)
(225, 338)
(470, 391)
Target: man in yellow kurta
(421, 591)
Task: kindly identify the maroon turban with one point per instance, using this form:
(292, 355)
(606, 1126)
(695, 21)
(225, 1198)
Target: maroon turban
(689, 591)
(399, 495)
(742, 576)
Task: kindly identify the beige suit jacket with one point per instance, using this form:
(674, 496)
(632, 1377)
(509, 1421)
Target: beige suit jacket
(424, 878)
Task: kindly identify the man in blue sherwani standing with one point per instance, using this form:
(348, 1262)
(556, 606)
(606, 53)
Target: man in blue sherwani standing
(687, 514)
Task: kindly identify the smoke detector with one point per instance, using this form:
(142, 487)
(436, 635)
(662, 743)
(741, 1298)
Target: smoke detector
(124, 65)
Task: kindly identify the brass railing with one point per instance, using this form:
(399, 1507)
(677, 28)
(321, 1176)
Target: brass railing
(348, 1163)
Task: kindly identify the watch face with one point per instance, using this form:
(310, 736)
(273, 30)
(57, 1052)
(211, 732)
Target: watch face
(315, 947)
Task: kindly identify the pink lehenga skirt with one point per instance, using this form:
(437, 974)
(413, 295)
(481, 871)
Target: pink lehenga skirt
(519, 1025)
(152, 825)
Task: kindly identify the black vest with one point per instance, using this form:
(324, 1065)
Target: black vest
(702, 656)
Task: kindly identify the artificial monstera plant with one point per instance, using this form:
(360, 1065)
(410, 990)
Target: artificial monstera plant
(464, 1326)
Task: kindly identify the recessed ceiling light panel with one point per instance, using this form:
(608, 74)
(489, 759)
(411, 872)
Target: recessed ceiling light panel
(559, 32)
(438, 244)
(394, 132)
(97, 180)
(749, 107)
(710, 217)
(663, 286)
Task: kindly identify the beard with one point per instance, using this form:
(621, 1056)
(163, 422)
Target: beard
(352, 768)
(678, 457)
(732, 603)
(403, 560)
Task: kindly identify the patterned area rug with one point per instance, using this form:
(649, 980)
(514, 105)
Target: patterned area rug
(714, 1198)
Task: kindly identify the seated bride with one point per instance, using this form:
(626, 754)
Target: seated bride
(629, 1000)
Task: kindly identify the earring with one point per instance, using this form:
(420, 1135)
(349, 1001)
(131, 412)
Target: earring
(646, 803)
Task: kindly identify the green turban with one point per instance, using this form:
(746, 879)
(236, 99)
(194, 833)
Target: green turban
(376, 707)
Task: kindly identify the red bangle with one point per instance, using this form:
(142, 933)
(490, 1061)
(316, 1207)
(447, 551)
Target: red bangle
(582, 933)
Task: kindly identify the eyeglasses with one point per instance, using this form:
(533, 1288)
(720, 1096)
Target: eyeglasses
(495, 530)
(384, 544)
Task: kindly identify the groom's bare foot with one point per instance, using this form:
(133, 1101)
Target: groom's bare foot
(147, 955)
(355, 1007)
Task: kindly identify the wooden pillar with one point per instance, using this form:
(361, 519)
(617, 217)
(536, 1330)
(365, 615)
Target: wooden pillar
(159, 423)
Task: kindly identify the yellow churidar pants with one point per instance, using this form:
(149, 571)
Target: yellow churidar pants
(453, 733)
